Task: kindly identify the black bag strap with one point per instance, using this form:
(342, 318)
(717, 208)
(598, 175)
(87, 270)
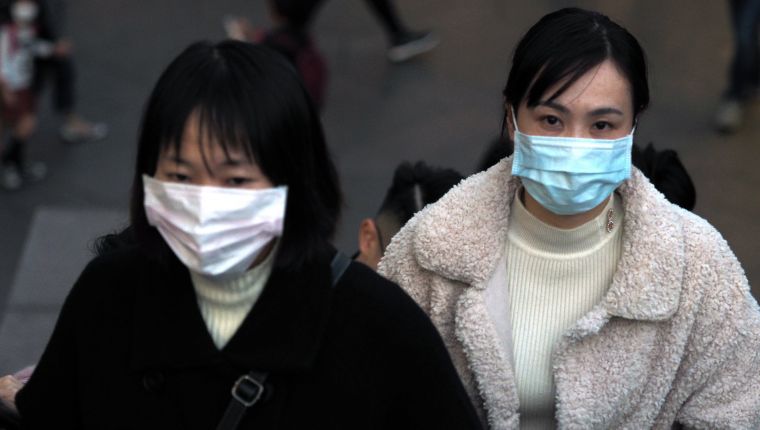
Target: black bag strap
(249, 388)
(246, 392)
(338, 266)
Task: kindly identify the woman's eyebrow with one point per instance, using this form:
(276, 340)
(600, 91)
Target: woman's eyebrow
(554, 105)
(605, 111)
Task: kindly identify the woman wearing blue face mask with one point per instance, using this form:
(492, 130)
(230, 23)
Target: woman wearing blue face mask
(223, 305)
(569, 292)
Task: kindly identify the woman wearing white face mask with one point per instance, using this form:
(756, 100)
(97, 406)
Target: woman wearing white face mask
(569, 292)
(226, 282)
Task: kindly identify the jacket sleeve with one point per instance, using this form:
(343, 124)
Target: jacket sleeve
(51, 397)
(728, 327)
(400, 266)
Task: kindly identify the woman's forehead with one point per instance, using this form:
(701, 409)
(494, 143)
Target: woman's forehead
(601, 86)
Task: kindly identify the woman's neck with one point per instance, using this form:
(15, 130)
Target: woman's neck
(559, 221)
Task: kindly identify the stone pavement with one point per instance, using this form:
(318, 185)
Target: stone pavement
(443, 108)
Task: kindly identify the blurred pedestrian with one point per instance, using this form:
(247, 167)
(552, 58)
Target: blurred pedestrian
(20, 44)
(744, 75)
(291, 38)
(414, 186)
(224, 305)
(572, 294)
(61, 70)
(403, 43)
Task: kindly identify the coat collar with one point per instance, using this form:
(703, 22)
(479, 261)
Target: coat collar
(282, 332)
(463, 236)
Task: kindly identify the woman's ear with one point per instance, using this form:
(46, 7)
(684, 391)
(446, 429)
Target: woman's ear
(368, 240)
(509, 121)
(369, 244)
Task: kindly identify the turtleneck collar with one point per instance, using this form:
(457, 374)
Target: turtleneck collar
(527, 231)
(235, 290)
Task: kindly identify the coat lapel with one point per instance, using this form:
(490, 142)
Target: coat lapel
(599, 377)
(463, 238)
(488, 360)
(467, 246)
(646, 284)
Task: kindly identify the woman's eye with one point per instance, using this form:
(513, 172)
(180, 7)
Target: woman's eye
(177, 177)
(551, 120)
(238, 181)
(602, 125)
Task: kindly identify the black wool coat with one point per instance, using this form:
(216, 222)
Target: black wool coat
(130, 350)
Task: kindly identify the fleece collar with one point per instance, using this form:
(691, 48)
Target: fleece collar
(463, 237)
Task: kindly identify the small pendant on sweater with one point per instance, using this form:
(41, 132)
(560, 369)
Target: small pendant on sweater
(610, 221)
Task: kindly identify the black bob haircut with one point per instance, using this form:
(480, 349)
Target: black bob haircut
(415, 186)
(246, 97)
(564, 45)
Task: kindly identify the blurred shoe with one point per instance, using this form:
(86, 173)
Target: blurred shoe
(411, 44)
(729, 116)
(82, 131)
(10, 177)
(34, 171)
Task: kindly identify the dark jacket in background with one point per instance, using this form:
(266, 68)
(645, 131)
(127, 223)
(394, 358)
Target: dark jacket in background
(131, 351)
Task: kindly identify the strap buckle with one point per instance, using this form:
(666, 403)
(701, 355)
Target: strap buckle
(247, 390)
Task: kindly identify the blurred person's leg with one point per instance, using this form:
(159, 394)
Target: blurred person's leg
(75, 128)
(61, 71)
(386, 13)
(63, 88)
(404, 43)
(16, 168)
(30, 170)
(745, 67)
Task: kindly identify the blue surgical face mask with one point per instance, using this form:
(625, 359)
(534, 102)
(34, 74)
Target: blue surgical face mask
(571, 175)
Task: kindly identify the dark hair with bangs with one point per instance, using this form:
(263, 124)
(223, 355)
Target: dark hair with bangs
(564, 45)
(249, 97)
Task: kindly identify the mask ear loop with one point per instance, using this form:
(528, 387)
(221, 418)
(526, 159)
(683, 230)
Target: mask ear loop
(514, 120)
(379, 238)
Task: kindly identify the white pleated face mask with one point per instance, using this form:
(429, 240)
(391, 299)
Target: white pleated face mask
(215, 231)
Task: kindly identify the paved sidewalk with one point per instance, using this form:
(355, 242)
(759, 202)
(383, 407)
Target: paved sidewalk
(58, 247)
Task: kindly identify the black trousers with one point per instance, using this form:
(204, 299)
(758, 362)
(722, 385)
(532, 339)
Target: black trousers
(61, 72)
(384, 10)
(745, 67)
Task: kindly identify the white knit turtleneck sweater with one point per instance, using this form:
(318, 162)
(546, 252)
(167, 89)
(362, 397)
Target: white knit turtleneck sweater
(225, 303)
(555, 277)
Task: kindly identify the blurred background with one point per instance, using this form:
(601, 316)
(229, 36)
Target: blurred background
(443, 107)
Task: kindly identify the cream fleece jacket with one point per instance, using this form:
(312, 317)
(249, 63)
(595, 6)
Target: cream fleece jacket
(676, 338)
